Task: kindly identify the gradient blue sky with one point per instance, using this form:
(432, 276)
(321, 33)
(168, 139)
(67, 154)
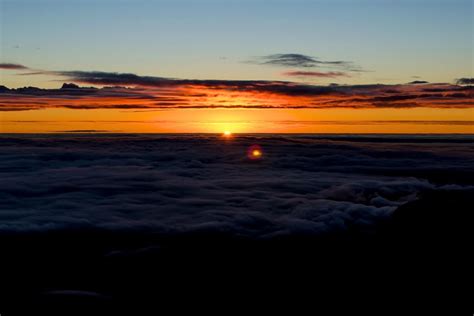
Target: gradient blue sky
(393, 40)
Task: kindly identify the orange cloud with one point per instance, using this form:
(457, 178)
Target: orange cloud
(130, 91)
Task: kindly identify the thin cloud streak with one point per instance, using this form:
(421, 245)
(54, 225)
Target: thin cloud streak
(302, 61)
(10, 66)
(316, 74)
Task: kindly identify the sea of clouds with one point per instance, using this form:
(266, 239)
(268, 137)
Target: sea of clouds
(204, 183)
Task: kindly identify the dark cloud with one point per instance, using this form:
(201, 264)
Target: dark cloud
(172, 184)
(113, 78)
(465, 81)
(301, 61)
(10, 66)
(131, 91)
(69, 86)
(289, 60)
(316, 74)
(418, 82)
(111, 222)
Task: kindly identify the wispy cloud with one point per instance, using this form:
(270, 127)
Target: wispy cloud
(302, 61)
(316, 74)
(10, 66)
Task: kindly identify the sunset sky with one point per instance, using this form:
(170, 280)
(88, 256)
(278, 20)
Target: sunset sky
(244, 66)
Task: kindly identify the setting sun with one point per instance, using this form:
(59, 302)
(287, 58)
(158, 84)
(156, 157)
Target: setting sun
(214, 151)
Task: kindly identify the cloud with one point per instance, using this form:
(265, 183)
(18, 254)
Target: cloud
(289, 60)
(465, 81)
(70, 86)
(316, 74)
(181, 184)
(418, 82)
(171, 184)
(301, 61)
(113, 78)
(10, 66)
(131, 91)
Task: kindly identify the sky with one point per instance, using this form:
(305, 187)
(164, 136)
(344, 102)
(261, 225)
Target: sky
(245, 66)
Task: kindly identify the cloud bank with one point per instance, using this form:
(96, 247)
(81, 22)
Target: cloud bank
(180, 184)
(130, 91)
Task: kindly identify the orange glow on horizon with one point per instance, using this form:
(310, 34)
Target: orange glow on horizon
(279, 108)
(240, 121)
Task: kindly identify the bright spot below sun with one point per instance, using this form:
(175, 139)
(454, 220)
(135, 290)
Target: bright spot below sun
(255, 152)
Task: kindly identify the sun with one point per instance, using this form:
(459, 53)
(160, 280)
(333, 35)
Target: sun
(227, 134)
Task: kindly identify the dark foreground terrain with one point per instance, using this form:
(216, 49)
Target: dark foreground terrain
(147, 224)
